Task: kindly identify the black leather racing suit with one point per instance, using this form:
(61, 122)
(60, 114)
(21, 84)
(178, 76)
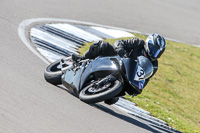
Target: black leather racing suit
(132, 48)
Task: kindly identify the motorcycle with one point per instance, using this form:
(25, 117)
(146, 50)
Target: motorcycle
(100, 79)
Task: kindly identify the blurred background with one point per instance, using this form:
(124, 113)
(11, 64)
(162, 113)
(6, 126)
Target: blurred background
(29, 104)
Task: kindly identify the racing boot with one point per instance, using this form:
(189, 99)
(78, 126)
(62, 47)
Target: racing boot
(76, 58)
(112, 100)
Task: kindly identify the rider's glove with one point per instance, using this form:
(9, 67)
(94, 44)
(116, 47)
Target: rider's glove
(121, 53)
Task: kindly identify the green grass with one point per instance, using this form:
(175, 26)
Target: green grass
(173, 94)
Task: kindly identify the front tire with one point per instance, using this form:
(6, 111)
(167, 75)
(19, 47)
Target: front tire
(88, 96)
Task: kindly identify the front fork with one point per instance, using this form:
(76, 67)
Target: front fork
(108, 79)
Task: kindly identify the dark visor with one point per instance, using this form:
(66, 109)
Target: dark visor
(154, 51)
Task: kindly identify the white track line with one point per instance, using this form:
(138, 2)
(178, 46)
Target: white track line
(22, 35)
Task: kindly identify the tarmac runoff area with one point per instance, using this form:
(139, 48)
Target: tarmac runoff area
(59, 38)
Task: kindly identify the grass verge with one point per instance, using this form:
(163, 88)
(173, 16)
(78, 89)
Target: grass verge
(173, 94)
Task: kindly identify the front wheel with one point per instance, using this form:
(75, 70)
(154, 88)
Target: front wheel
(90, 94)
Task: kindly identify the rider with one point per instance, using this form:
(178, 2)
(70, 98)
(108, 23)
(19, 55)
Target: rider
(152, 48)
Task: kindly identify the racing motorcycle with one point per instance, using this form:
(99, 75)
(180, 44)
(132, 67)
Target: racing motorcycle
(100, 79)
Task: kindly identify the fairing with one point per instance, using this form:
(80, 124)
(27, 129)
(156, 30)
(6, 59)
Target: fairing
(131, 66)
(71, 79)
(74, 79)
(102, 65)
(130, 69)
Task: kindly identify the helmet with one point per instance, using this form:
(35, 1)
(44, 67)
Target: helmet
(154, 46)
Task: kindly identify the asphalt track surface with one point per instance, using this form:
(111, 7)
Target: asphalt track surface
(29, 104)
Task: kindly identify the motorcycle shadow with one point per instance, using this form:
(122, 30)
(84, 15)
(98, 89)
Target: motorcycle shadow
(126, 117)
(65, 89)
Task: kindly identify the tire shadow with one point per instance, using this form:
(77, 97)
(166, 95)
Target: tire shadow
(124, 117)
(147, 125)
(150, 126)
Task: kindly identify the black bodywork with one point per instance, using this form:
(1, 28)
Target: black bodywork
(124, 69)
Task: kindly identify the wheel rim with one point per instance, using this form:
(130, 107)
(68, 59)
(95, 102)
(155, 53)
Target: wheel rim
(57, 67)
(95, 90)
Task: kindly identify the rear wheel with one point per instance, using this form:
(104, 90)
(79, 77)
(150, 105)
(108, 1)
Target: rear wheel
(53, 72)
(93, 94)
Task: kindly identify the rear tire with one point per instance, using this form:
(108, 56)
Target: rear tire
(53, 73)
(88, 97)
